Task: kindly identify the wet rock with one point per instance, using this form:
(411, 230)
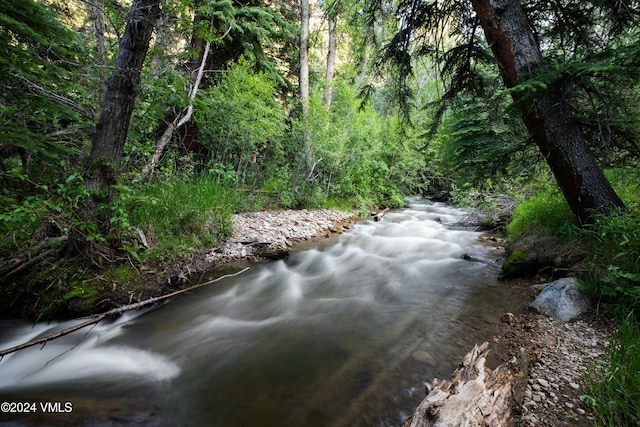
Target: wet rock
(509, 318)
(424, 357)
(562, 300)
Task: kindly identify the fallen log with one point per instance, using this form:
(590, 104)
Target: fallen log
(109, 314)
(474, 396)
(29, 257)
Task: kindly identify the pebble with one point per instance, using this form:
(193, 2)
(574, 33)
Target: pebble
(543, 382)
(253, 232)
(563, 352)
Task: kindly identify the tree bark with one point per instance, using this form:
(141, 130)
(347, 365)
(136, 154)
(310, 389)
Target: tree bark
(122, 89)
(304, 56)
(96, 10)
(547, 118)
(331, 60)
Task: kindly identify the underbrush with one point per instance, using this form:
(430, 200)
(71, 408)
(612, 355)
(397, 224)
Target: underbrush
(547, 212)
(614, 390)
(610, 272)
(180, 215)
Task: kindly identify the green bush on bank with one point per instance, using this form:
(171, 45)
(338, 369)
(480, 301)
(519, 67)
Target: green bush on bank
(614, 391)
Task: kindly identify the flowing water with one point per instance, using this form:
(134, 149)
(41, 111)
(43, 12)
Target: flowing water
(344, 333)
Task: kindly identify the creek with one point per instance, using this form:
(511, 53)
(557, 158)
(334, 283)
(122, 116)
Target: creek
(346, 332)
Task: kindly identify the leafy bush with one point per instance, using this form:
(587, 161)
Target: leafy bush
(615, 257)
(241, 122)
(355, 154)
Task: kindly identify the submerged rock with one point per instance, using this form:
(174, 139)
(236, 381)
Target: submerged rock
(561, 300)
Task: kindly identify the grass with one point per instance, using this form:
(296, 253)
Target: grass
(544, 213)
(180, 215)
(615, 393)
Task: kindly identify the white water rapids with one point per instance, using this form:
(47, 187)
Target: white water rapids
(344, 333)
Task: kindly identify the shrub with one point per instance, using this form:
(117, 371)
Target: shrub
(614, 255)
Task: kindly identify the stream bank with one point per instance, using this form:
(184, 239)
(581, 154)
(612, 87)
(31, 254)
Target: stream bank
(556, 354)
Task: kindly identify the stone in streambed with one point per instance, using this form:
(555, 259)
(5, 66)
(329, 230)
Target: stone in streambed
(424, 357)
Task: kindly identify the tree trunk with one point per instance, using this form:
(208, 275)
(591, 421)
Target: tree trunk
(331, 60)
(122, 90)
(304, 56)
(96, 10)
(548, 119)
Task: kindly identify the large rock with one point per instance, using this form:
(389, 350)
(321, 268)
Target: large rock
(561, 300)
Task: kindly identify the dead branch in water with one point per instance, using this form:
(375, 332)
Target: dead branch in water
(111, 313)
(379, 215)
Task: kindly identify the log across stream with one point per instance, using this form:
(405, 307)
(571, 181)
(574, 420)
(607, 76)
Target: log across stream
(345, 332)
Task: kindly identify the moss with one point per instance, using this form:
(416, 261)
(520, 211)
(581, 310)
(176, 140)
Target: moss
(518, 263)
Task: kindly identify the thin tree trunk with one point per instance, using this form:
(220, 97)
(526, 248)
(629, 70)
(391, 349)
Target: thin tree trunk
(164, 37)
(306, 154)
(304, 56)
(331, 61)
(180, 120)
(547, 118)
(96, 10)
(122, 89)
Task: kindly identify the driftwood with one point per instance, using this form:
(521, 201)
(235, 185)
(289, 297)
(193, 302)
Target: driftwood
(109, 314)
(379, 215)
(474, 396)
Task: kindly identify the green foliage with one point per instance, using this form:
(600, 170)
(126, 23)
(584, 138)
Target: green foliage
(544, 213)
(483, 145)
(42, 93)
(53, 207)
(614, 247)
(615, 393)
(241, 123)
(355, 154)
(615, 258)
(180, 215)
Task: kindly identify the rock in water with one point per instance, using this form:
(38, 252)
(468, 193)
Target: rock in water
(561, 300)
